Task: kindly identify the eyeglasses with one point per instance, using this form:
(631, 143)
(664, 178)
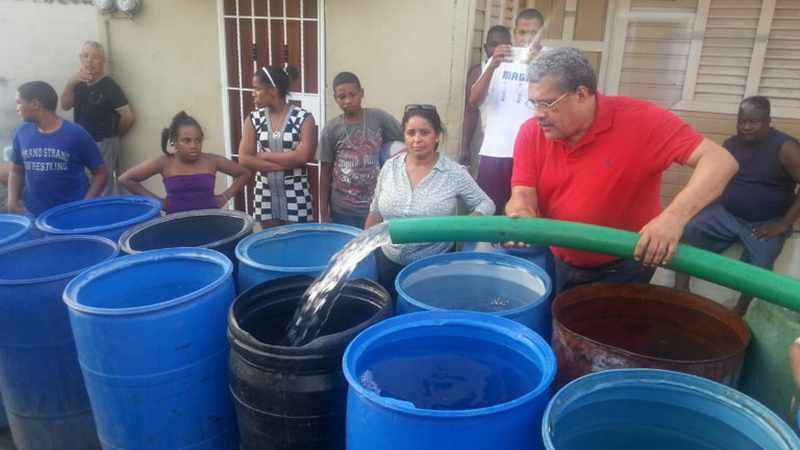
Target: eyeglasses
(417, 107)
(545, 106)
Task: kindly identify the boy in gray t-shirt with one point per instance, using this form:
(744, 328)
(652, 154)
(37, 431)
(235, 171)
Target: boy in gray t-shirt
(350, 154)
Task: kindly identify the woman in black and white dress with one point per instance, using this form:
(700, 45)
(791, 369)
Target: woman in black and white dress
(278, 139)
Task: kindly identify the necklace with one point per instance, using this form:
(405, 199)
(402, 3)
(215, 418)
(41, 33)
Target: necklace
(276, 132)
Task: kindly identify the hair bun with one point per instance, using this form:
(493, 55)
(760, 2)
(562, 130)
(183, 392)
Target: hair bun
(292, 72)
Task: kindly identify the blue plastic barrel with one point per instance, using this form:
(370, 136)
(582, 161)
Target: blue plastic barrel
(40, 378)
(299, 249)
(150, 330)
(478, 281)
(104, 216)
(14, 228)
(438, 380)
(3, 417)
(537, 254)
(652, 409)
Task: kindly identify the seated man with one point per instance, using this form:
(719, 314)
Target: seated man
(759, 206)
(50, 155)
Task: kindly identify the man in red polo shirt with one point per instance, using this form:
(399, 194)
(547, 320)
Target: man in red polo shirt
(585, 157)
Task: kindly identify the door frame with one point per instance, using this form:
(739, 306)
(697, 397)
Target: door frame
(223, 68)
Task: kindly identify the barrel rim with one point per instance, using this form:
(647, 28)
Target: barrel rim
(508, 328)
(48, 241)
(27, 225)
(503, 259)
(247, 227)
(560, 327)
(73, 288)
(41, 221)
(243, 247)
(248, 342)
(692, 384)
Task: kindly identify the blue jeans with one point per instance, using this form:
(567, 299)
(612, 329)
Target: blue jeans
(715, 229)
(348, 219)
(494, 177)
(619, 271)
(387, 273)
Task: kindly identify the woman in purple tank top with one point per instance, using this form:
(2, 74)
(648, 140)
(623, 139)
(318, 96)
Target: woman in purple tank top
(188, 173)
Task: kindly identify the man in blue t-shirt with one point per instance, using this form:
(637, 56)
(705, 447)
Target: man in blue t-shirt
(50, 155)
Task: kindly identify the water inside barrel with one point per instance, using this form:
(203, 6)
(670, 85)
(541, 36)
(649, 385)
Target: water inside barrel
(448, 373)
(268, 325)
(654, 329)
(626, 424)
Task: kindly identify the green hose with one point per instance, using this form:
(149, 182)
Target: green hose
(770, 286)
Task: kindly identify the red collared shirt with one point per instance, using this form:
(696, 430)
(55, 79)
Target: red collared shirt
(612, 177)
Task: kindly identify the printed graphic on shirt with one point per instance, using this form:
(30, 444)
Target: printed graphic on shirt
(505, 110)
(514, 76)
(45, 159)
(355, 170)
(511, 85)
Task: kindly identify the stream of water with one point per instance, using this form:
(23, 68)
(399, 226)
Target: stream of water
(320, 297)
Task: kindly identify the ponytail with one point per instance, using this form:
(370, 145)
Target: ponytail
(165, 142)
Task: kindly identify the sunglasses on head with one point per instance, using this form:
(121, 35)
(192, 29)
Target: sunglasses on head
(417, 107)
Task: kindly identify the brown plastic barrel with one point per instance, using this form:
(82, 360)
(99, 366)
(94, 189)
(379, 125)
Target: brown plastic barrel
(614, 326)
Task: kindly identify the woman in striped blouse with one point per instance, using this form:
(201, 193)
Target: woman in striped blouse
(421, 181)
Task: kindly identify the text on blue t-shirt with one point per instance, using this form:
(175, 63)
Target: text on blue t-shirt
(54, 164)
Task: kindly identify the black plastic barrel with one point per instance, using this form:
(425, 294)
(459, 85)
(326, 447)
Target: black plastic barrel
(295, 397)
(217, 229)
